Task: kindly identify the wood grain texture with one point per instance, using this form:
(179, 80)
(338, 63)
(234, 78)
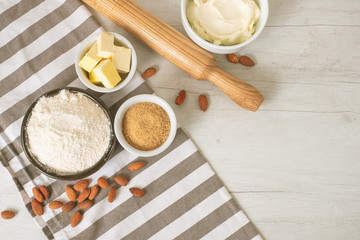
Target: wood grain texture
(176, 48)
(294, 164)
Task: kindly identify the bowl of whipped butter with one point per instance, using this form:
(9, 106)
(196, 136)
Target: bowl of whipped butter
(224, 26)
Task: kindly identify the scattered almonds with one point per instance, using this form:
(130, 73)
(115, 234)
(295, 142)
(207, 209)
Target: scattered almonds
(70, 192)
(84, 195)
(203, 102)
(232, 58)
(76, 218)
(67, 207)
(137, 192)
(149, 72)
(136, 166)
(37, 195)
(55, 205)
(180, 97)
(121, 180)
(93, 192)
(44, 191)
(85, 204)
(36, 207)
(103, 183)
(112, 194)
(81, 185)
(7, 214)
(246, 61)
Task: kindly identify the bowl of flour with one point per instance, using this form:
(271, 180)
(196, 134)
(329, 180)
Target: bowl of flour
(67, 134)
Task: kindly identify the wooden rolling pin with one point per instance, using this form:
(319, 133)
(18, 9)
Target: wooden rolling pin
(177, 48)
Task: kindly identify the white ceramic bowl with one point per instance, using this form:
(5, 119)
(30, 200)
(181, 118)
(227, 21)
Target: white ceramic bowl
(144, 98)
(83, 75)
(264, 7)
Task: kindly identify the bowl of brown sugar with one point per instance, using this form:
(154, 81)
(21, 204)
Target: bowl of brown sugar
(145, 125)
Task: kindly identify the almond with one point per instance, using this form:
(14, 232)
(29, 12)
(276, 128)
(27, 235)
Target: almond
(76, 218)
(136, 166)
(103, 183)
(84, 195)
(93, 192)
(203, 102)
(7, 214)
(67, 207)
(44, 191)
(232, 58)
(180, 97)
(55, 205)
(121, 180)
(85, 204)
(149, 72)
(70, 192)
(37, 194)
(137, 192)
(36, 207)
(112, 194)
(81, 185)
(246, 61)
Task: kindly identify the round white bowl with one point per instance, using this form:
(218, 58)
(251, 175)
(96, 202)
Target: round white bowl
(83, 75)
(144, 98)
(264, 7)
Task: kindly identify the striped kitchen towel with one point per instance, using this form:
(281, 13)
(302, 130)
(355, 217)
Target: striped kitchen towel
(184, 198)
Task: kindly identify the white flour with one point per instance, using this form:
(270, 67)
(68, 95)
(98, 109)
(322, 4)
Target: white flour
(68, 132)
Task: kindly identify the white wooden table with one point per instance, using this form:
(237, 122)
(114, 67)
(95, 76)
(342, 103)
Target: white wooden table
(293, 166)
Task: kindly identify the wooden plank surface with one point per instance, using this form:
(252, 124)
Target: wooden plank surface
(293, 166)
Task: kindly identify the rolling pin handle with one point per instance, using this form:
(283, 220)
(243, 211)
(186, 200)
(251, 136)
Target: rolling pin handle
(239, 91)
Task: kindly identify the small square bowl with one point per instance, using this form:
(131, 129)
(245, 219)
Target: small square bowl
(84, 76)
(120, 116)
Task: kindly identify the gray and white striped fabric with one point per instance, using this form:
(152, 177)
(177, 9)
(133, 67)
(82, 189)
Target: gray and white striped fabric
(184, 198)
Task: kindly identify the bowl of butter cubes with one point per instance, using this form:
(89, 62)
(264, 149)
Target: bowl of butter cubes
(105, 62)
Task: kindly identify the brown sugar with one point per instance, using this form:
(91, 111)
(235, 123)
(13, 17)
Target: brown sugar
(146, 126)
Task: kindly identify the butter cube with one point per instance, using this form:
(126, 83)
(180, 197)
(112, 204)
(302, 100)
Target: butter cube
(105, 45)
(89, 61)
(121, 59)
(106, 72)
(94, 78)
